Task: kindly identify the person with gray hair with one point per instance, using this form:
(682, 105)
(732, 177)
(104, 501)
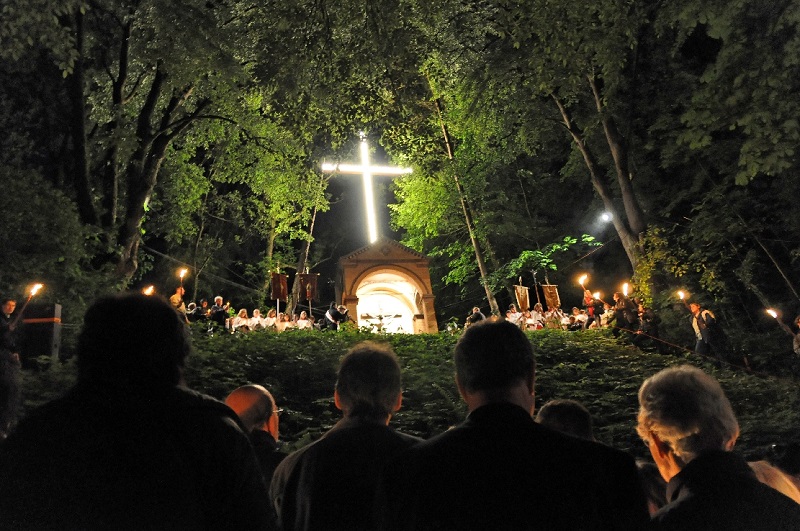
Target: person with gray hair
(690, 429)
(333, 482)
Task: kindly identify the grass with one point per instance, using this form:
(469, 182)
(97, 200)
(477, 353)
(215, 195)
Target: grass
(299, 367)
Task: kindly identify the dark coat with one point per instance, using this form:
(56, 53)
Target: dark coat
(718, 490)
(500, 470)
(103, 458)
(9, 332)
(332, 483)
(267, 452)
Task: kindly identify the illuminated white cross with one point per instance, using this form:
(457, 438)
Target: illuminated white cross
(367, 171)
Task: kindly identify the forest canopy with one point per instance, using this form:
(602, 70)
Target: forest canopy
(141, 134)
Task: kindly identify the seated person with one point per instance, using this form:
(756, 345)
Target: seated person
(271, 320)
(240, 321)
(303, 323)
(499, 469)
(257, 321)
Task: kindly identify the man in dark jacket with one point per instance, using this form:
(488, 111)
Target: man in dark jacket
(128, 447)
(688, 424)
(332, 483)
(499, 469)
(256, 408)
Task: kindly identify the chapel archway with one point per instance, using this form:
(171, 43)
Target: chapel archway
(386, 286)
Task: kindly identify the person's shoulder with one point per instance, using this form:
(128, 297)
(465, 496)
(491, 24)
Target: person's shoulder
(198, 411)
(410, 440)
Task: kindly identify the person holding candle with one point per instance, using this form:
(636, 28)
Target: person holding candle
(785, 328)
(8, 328)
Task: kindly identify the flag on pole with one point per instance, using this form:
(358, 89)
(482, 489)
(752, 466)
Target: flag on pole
(551, 298)
(523, 303)
(308, 286)
(279, 290)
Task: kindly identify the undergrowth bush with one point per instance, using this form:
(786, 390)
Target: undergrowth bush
(299, 368)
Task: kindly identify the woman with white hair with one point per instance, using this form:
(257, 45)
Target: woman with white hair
(689, 426)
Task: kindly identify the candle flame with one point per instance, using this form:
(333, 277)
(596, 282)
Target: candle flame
(149, 290)
(582, 280)
(625, 289)
(682, 295)
(35, 289)
(772, 312)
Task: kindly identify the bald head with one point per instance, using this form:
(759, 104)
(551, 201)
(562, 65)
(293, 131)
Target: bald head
(255, 407)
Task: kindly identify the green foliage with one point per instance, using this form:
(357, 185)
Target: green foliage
(43, 241)
(741, 94)
(50, 381)
(541, 259)
(299, 367)
(24, 24)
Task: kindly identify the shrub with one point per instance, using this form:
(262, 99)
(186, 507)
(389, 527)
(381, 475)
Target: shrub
(299, 367)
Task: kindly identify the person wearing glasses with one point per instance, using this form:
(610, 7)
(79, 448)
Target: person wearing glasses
(256, 408)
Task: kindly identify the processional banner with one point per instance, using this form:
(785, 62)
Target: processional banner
(308, 286)
(551, 298)
(523, 302)
(279, 290)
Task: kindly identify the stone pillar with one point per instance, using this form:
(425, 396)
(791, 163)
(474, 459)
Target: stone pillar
(431, 326)
(351, 303)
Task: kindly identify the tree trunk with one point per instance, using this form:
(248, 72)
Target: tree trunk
(619, 152)
(628, 239)
(495, 310)
(83, 192)
(302, 263)
(111, 168)
(142, 172)
(141, 182)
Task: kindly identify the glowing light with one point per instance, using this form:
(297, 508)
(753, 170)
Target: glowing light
(583, 279)
(625, 289)
(366, 170)
(605, 216)
(183, 273)
(35, 289)
(149, 290)
(681, 295)
(596, 295)
(772, 312)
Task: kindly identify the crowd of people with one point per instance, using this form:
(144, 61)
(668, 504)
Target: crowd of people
(627, 316)
(223, 315)
(131, 447)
